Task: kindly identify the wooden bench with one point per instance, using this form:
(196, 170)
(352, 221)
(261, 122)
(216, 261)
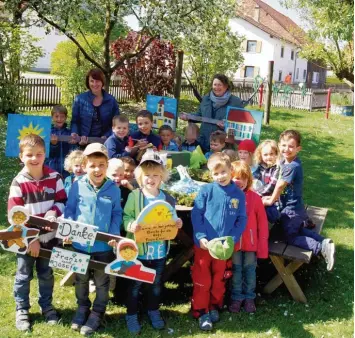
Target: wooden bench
(287, 259)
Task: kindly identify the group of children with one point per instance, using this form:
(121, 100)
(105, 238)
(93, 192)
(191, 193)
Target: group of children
(265, 183)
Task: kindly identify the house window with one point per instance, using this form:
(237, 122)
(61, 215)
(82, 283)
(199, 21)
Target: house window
(292, 54)
(249, 71)
(251, 46)
(280, 75)
(315, 77)
(297, 72)
(304, 74)
(282, 51)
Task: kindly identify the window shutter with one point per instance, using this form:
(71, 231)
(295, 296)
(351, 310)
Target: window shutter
(244, 45)
(256, 71)
(242, 71)
(258, 46)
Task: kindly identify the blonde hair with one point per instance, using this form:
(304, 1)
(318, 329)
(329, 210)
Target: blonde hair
(71, 158)
(257, 154)
(114, 164)
(217, 160)
(31, 140)
(240, 169)
(150, 167)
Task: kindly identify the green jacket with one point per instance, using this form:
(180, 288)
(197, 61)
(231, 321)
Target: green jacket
(134, 205)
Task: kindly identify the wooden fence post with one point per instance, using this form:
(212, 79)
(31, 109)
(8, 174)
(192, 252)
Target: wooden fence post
(268, 93)
(328, 104)
(178, 75)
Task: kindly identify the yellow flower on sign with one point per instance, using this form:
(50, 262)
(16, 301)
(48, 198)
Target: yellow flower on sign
(27, 130)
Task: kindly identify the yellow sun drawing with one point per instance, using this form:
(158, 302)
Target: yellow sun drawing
(26, 130)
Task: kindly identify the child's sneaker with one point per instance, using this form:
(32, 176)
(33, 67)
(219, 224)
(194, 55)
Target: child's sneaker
(133, 325)
(249, 306)
(156, 319)
(235, 306)
(51, 316)
(80, 318)
(22, 320)
(328, 252)
(214, 315)
(205, 322)
(92, 324)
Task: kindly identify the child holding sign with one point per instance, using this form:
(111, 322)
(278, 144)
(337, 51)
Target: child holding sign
(95, 200)
(149, 174)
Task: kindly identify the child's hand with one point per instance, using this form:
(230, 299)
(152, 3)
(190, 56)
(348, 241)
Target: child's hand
(203, 243)
(267, 201)
(126, 184)
(33, 248)
(141, 143)
(178, 223)
(67, 241)
(112, 243)
(50, 216)
(134, 227)
(128, 149)
(54, 139)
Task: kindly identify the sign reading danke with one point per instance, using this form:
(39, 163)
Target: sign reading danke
(76, 232)
(69, 260)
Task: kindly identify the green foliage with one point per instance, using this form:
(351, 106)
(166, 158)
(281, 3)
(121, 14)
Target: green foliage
(18, 53)
(71, 67)
(342, 99)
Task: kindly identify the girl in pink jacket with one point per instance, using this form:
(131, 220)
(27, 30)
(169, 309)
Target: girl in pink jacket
(253, 243)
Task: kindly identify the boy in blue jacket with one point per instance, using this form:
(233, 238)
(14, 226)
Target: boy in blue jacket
(219, 210)
(95, 200)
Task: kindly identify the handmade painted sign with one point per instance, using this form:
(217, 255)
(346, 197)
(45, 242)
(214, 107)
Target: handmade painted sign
(69, 260)
(19, 126)
(243, 123)
(76, 232)
(126, 265)
(157, 221)
(17, 237)
(163, 109)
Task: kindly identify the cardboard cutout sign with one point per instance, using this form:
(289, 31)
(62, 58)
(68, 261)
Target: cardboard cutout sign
(157, 221)
(126, 265)
(69, 260)
(17, 237)
(163, 109)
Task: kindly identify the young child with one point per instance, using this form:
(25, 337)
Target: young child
(232, 154)
(117, 143)
(40, 189)
(266, 173)
(116, 172)
(95, 200)
(166, 134)
(253, 243)
(142, 138)
(192, 132)
(129, 167)
(219, 210)
(246, 150)
(59, 150)
(74, 164)
(150, 174)
(289, 192)
(217, 142)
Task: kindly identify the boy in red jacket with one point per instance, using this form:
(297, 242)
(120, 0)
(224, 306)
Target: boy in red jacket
(253, 243)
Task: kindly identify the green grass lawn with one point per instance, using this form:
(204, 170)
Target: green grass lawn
(327, 156)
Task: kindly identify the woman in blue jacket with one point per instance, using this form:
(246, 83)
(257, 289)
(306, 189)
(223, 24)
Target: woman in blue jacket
(93, 110)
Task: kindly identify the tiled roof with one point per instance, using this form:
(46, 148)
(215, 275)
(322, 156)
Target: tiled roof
(243, 116)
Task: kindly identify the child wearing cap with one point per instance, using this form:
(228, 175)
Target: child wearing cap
(95, 200)
(219, 210)
(149, 174)
(246, 150)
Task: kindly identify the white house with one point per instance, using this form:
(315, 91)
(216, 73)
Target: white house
(240, 123)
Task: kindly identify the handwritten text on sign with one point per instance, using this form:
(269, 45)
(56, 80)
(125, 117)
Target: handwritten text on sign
(76, 231)
(165, 230)
(69, 260)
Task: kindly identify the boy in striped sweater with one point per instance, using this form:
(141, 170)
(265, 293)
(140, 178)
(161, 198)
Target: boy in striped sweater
(41, 190)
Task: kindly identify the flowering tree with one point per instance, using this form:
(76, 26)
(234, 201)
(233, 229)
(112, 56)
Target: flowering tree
(152, 71)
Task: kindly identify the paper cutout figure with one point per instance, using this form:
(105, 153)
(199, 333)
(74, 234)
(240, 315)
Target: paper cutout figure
(163, 110)
(17, 237)
(19, 126)
(126, 265)
(157, 221)
(243, 123)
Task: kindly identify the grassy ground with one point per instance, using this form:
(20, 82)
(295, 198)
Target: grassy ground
(327, 156)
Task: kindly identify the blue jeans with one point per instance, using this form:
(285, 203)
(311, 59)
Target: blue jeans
(244, 275)
(101, 281)
(24, 275)
(153, 291)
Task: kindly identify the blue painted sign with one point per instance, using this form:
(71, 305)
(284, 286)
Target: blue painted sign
(163, 109)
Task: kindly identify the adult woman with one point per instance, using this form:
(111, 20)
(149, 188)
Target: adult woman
(93, 110)
(214, 105)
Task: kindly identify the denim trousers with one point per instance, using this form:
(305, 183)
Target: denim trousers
(101, 281)
(152, 291)
(24, 275)
(244, 275)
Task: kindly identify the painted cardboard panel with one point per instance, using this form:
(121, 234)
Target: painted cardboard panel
(69, 260)
(164, 110)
